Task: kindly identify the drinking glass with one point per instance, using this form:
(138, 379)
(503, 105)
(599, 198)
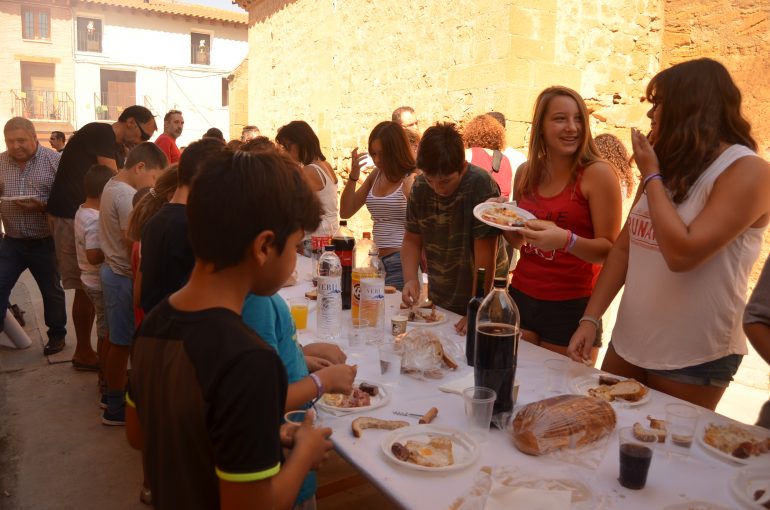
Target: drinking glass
(635, 459)
(390, 362)
(681, 421)
(479, 404)
(299, 308)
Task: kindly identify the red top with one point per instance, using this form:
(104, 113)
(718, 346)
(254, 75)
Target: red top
(557, 275)
(504, 174)
(168, 146)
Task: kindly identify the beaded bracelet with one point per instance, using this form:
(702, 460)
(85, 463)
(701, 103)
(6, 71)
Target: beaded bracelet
(649, 178)
(568, 241)
(592, 320)
(318, 384)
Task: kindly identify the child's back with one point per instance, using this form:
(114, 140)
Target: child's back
(87, 238)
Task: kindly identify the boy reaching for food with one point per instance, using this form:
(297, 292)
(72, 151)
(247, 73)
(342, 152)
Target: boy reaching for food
(207, 393)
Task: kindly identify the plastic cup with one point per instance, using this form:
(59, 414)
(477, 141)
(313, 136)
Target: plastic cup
(298, 307)
(479, 403)
(297, 417)
(681, 421)
(398, 324)
(635, 459)
(358, 332)
(557, 374)
(390, 362)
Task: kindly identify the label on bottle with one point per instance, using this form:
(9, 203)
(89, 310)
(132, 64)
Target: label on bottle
(329, 285)
(372, 300)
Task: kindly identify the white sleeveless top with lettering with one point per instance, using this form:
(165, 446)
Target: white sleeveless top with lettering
(388, 216)
(328, 197)
(670, 320)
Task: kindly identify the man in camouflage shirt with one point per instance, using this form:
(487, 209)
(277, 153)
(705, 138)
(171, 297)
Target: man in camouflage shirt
(439, 218)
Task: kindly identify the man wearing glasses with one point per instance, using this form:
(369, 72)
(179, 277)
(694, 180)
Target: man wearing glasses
(94, 143)
(173, 124)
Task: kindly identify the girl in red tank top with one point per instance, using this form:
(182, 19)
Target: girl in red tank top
(577, 201)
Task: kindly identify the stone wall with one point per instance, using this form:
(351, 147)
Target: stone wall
(239, 99)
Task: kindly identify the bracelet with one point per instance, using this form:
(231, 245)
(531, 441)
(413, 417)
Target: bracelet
(318, 385)
(572, 241)
(649, 178)
(569, 239)
(592, 320)
(352, 180)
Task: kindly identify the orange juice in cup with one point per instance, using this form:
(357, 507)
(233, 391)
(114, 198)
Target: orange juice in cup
(298, 308)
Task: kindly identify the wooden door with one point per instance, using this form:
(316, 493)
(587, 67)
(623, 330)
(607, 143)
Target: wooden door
(118, 91)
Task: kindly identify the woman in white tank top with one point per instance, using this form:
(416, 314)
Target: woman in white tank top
(301, 143)
(385, 193)
(690, 241)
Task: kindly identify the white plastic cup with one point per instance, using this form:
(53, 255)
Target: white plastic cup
(15, 333)
(479, 404)
(557, 374)
(358, 331)
(390, 362)
(681, 421)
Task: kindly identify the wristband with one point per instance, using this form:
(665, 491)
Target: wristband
(592, 320)
(649, 178)
(318, 385)
(572, 240)
(352, 180)
(568, 241)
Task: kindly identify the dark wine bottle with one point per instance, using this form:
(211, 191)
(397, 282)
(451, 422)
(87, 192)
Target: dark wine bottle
(473, 308)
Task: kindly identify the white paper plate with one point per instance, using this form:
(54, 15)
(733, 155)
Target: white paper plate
(16, 199)
(581, 385)
(382, 398)
(464, 449)
(754, 460)
(479, 210)
(441, 319)
(695, 505)
(747, 481)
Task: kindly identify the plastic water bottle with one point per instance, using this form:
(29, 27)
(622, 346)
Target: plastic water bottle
(329, 309)
(372, 304)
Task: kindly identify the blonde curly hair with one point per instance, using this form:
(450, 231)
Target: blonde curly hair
(484, 131)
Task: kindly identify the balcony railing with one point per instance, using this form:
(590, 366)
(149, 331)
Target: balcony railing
(110, 106)
(43, 104)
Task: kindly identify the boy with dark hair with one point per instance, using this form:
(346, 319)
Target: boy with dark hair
(439, 218)
(144, 164)
(167, 258)
(90, 256)
(207, 393)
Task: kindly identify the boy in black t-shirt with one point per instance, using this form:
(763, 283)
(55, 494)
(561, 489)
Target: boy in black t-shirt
(207, 394)
(167, 257)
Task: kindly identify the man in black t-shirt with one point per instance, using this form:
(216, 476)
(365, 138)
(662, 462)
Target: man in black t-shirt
(104, 144)
(167, 258)
(207, 394)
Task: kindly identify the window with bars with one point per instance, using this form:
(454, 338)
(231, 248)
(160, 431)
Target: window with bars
(89, 34)
(200, 49)
(36, 23)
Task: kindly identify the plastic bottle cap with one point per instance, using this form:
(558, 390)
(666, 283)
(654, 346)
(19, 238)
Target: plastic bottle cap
(329, 247)
(343, 223)
(500, 283)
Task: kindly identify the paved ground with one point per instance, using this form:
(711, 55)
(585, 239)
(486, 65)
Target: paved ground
(56, 454)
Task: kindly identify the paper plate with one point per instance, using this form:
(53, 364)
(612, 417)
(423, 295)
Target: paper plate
(747, 482)
(441, 320)
(382, 398)
(754, 460)
(16, 199)
(581, 385)
(464, 449)
(518, 215)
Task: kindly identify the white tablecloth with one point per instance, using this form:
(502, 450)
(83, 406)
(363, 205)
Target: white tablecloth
(673, 479)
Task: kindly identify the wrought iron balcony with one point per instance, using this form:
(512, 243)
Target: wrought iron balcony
(38, 104)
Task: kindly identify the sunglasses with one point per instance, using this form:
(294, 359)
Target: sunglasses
(144, 135)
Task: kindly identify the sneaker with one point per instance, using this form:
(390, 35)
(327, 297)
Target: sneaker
(116, 419)
(53, 346)
(103, 401)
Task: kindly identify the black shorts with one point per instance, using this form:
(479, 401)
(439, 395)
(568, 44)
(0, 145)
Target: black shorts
(553, 321)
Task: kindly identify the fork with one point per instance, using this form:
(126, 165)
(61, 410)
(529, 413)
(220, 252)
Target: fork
(404, 413)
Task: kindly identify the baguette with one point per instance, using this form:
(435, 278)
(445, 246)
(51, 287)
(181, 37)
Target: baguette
(649, 435)
(365, 422)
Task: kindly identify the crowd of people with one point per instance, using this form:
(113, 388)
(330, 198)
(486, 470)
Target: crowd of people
(179, 255)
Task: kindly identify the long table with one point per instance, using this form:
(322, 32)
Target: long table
(673, 478)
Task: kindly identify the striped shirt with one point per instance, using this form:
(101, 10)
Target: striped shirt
(388, 215)
(34, 179)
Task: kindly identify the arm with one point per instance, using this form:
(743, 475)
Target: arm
(138, 288)
(353, 199)
(685, 247)
(327, 351)
(335, 379)
(609, 283)
(108, 162)
(95, 256)
(758, 334)
(410, 260)
(756, 317)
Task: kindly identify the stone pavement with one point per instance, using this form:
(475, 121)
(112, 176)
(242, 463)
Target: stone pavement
(56, 454)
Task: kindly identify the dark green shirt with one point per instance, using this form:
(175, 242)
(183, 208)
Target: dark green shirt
(448, 228)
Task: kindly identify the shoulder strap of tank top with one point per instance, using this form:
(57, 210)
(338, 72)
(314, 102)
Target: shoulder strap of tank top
(321, 172)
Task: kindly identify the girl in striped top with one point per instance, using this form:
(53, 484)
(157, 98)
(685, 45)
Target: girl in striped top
(385, 193)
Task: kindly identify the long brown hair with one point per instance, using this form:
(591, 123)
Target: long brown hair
(700, 107)
(165, 186)
(397, 156)
(538, 152)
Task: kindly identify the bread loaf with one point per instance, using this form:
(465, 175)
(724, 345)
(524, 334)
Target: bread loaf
(564, 421)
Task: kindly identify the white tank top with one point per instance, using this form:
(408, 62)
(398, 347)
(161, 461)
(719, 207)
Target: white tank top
(328, 197)
(388, 216)
(673, 320)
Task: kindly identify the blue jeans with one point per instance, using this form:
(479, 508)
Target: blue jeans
(39, 256)
(394, 275)
(118, 296)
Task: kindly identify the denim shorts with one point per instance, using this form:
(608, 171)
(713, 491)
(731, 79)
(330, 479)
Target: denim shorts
(717, 373)
(394, 275)
(95, 295)
(117, 291)
(553, 321)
